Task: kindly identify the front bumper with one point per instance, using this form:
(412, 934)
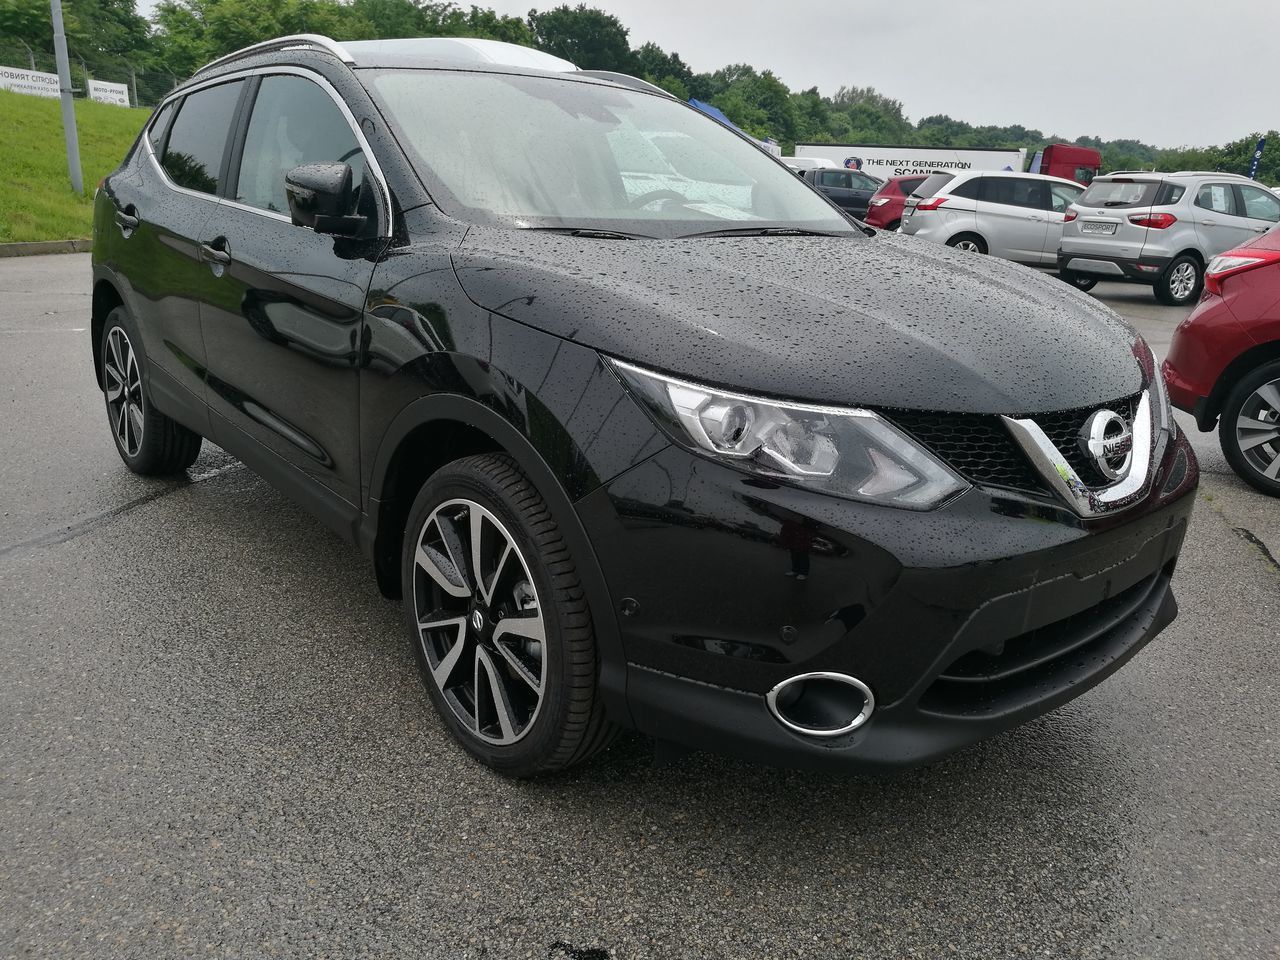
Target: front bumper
(1138, 269)
(964, 621)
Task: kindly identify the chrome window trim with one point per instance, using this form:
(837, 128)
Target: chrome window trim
(372, 165)
(1066, 483)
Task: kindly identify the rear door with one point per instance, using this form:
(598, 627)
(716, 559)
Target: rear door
(1013, 217)
(160, 211)
(282, 319)
(1220, 218)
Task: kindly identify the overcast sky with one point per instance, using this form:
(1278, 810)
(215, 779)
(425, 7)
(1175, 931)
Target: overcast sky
(1168, 72)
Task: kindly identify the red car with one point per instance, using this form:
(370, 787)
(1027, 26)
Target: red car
(885, 210)
(1224, 364)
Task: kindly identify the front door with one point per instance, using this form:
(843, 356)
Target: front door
(1219, 218)
(282, 326)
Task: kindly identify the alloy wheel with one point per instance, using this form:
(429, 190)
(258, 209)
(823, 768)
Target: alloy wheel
(123, 382)
(969, 245)
(480, 622)
(1258, 430)
(1182, 281)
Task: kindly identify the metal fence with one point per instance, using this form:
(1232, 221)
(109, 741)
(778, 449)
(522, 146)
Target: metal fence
(146, 87)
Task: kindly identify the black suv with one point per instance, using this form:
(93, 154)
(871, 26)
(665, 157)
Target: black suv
(640, 428)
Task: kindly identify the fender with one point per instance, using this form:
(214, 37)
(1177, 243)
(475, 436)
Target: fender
(473, 413)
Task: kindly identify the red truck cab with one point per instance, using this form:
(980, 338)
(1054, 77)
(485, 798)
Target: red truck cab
(1080, 164)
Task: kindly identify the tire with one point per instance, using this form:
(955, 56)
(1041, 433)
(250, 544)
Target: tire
(1081, 281)
(483, 644)
(1181, 282)
(148, 442)
(968, 241)
(1253, 452)
(893, 227)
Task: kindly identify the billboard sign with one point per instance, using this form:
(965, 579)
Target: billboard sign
(886, 162)
(117, 93)
(29, 81)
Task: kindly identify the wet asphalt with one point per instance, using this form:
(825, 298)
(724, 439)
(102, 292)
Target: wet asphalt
(212, 743)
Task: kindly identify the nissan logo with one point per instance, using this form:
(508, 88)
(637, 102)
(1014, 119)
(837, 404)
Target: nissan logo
(1107, 439)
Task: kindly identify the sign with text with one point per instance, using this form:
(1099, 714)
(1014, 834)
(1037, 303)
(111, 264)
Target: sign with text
(883, 162)
(117, 93)
(29, 81)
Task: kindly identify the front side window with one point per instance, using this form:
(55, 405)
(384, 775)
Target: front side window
(528, 151)
(294, 122)
(198, 137)
(159, 126)
(1260, 204)
(1062, 196)
(863, 182)
(1218, 197)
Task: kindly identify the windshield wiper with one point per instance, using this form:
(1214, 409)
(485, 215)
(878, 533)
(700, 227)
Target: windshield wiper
(591, 233)
(761, 232)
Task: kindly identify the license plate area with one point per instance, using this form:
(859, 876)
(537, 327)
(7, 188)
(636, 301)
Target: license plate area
(1097, 227)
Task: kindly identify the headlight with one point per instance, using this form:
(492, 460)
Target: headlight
(846, 452)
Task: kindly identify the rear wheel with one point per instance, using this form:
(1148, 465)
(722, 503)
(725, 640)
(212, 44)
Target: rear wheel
(893, 227)
(1081, 281)
(1181, 281)
(968, 241)
(498, 621)
(149, 442)
(1249, 430)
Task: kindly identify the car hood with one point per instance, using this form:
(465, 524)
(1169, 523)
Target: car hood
(885, 321)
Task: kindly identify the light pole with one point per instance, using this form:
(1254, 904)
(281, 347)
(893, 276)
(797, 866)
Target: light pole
(68, 108)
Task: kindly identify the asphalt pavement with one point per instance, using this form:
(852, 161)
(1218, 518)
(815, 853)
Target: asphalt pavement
(213, 743)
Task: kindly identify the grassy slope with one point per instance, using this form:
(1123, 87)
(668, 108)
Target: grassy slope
(36, 202)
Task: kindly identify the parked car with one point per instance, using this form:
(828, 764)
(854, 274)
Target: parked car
(850, 190)
(697, 461)
(1224, 362)
(1015, 216)
(1162, 228)
(885, 207)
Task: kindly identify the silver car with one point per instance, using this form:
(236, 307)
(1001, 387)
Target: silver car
(1017, 216)
(1162, 228)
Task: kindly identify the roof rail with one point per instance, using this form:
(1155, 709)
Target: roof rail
(1208, 173)
(626, 80)
(312, 40)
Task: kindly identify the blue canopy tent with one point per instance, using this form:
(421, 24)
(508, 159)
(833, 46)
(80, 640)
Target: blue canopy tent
(768, 145)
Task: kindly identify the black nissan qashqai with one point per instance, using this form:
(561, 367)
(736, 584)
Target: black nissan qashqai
(643, 432)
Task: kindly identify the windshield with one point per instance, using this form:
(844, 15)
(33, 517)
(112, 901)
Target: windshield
(543, 152)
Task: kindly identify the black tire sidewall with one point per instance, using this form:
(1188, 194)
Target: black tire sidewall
(1165, 295)
(960, 238)
(1078, 280)
(526, 755)
(1243, 388)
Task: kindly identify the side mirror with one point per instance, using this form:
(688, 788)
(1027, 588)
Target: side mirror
(321, 197)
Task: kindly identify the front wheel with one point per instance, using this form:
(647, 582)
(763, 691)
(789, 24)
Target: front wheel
(1249, 430)
(1081, 281)
(1181, 281)
(149, 442)
(498, 621)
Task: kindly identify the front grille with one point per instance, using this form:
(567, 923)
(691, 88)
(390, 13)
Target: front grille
(1035, 665)
(979, 447)
(976, 445)
(1063, 428)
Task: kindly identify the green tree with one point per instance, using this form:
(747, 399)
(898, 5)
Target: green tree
(590, 38)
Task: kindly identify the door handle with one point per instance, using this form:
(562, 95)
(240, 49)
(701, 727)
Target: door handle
(215, 252)
(1209, 223)
(127, 220)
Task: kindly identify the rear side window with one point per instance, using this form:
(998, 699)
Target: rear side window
(294, 122)
(1119, 193)
(1013, 192)
(193, 155)
(969, 190)
(1062, 196)
(1218, 197)
(1260, 204)
(833, 178)
(905, 187)
(932, 184)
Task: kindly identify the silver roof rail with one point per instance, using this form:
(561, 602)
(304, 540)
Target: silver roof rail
(626, 80)
(303, 40)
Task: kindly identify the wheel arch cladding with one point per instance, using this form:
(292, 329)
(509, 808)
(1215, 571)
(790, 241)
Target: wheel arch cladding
(105, 299)
(1238, 368)
(457, 426)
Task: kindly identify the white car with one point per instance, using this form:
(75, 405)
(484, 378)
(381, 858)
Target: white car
(800, 164)
(1017, 216)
